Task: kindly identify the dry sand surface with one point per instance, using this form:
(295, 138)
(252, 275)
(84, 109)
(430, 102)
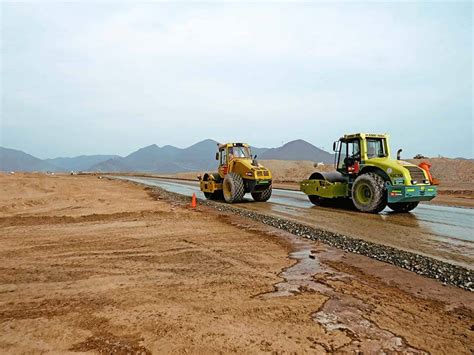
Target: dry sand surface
(92, 265)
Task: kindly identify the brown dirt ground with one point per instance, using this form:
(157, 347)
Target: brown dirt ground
(92, 265)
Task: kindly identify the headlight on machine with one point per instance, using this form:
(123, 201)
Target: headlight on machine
(249, 173)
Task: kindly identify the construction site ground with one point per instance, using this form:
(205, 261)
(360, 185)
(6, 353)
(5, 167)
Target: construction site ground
(93, 265)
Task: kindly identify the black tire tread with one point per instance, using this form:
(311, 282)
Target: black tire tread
(264, 195)
(380, 192)
(238, 190)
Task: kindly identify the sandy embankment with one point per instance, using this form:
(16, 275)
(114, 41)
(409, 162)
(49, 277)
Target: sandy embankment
(96, 265)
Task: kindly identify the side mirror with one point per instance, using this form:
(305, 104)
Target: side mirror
(398, 153)
(217, 156)
(255, 156)
(334, 145)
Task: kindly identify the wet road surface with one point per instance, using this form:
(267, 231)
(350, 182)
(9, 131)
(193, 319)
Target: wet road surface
(441, 232)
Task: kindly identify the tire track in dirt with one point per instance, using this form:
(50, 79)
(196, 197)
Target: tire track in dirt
(39, 220)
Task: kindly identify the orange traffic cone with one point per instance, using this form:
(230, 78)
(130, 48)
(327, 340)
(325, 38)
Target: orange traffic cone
(193, 201)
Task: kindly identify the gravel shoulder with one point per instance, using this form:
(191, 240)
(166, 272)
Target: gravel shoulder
(92, 265)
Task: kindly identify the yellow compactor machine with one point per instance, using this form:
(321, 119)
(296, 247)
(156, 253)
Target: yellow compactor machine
(238, 173)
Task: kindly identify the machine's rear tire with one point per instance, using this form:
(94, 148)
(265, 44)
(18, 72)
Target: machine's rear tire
(264, 195)
(403, 207)
(233, 188)
(369, 193)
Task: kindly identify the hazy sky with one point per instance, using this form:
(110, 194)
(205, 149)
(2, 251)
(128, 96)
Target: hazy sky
(83, 78)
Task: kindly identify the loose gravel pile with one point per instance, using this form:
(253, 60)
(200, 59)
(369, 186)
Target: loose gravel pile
(423, 265)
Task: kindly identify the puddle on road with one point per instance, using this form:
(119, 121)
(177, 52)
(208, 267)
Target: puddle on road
(340, 313)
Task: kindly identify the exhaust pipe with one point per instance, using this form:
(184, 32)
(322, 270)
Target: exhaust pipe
(255, 161)
(398, 153)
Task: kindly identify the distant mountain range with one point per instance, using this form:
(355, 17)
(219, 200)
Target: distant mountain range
(83, 162)
(16, 160)
(298, 150)
(167, 159)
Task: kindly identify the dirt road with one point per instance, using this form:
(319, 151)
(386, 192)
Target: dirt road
(107, 266)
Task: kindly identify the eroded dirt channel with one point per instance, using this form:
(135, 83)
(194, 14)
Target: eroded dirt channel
(341, 312)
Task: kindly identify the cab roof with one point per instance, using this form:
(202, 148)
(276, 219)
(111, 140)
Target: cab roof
(223, 145)
(365, 135)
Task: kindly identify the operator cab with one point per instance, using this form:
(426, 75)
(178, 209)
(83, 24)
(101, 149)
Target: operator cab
(354, 149)
(239, 152)
(228, 152)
